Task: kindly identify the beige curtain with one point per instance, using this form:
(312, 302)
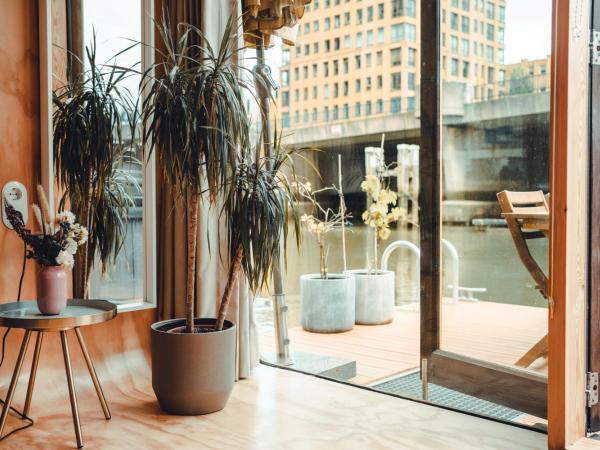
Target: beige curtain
(211, 271)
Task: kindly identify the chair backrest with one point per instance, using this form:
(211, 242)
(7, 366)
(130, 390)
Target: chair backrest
(522, 202)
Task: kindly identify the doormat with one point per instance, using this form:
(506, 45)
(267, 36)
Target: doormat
(410, 386)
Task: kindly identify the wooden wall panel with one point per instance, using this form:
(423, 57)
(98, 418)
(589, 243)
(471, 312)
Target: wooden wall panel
(19, 127)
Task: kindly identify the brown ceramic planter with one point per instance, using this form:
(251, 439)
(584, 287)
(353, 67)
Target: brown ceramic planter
(192, 374)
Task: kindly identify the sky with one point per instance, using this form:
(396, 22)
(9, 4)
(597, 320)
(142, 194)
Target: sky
(528, 29)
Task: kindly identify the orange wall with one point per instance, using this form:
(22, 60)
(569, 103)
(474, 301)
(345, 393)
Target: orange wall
(19, 128)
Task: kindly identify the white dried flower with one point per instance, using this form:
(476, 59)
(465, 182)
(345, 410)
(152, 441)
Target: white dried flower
(65, 259)
(65, 216)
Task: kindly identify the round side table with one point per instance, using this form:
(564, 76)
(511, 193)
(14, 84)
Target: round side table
(78, 313)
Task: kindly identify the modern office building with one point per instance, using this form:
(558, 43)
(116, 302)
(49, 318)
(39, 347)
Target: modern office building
(361, 58)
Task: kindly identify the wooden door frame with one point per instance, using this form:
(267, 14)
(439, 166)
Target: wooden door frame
(593, 417)
(521, 389)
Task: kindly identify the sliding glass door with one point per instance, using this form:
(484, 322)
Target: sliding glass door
(485, 111)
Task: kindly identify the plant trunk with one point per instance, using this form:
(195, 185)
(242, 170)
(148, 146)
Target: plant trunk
(192, 238)
(231, 280)
(83, 259)
(375, 250)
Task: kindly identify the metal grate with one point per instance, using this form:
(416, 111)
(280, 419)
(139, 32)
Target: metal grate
(410, 386)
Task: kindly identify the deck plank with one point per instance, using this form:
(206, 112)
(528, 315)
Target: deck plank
(494, 332)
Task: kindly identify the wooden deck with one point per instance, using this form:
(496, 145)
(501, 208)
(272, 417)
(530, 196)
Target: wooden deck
(493, 332)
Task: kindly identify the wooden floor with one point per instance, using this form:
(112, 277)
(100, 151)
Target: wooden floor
(493, 332)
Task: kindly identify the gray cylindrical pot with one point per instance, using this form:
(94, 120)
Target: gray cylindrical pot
(327, 304)
(374, 296)
(192, 373)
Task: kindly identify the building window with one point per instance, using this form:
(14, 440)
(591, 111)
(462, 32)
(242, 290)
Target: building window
(490, 32)
(465, 5)
(305, 93)
(346, 88)
(454, 67)
(315, 70)
(336, 44)
(379, 106)
(314, 92)
(454, 44)
(336, 67)
(357, 61)
(379, 81)
(359, 16)
(404, 8)
(346, 18)
(490, 10)
(327, 45)
(380, 11)
(316, 47)
(501, 13)
(396, 81)
(370, 14)
(410, 104)
(326, 114)
(315, 114)
(307, 28)
(381, 35)
(336, 112)
(368, 108)
(490, 75)
(395, 104)
(345, 111)
(285, 98)
(336, 21)
(396, 56)
(454, 21)
(327, 23)
(285, 119)
(464, 24)
(346, 65)
(369, 83)
(285, 57)
(370, 40)
(501, 35)
(357, 85)
(500, 54)
(490, 54)
(379, 57)
(359, 40)
(285, 77)
(412, 57)
(326, 92)
(369, 60)
(403, 32)
(336, 90)
(464, 47)
(357, 109)
(465, 69)
(316, 25)
(411, 81)
(305, 71)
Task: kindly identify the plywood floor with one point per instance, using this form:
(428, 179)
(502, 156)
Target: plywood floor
(493, 332)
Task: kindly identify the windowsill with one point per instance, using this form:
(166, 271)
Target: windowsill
(134, 306)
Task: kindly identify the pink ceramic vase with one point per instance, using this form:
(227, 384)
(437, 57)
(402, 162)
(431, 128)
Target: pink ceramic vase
(51, 290)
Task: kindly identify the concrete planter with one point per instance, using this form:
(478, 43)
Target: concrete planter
(327, 305)
(374, 296)
(192, 373)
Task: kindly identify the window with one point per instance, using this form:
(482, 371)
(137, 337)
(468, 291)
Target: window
(464, 47)
(305, 71)
(336, 67)
(307, 49)
(379, 57)
(359, 40)
(336, 113)
(454, 67)
(314, 92)
(490, 32)
(410, 104)
(315, 114)
(395, 104)
(346, 88)
(454, 21)
(296, 74)
(326, 114)
(316, 25)
(404, 8)
(501, 35)
(346, 65)
(336, 90)
(396, 81)
(380, 11)
(501, 13)
(305, 116)
(307, 28)
(285, 77)
(285, 57)
(336, 21)
(336, 44)
(465, 69)
(490, 10)
(381, 35)
(305, 93)
(370, 14)
(315, 47)
(464, 24)
(346, 18)
(411, 81)
(379, 106)
(412, 57)
(315, 70)
(489, 54)
(368, 108)
(369, 83)
(396, 56)
(357, 85)
(359, 16)
(465, 5)
(345, 111)
(357, 109)
(327, 45)
(357, 61)
(369, 59)
(500, 55)
(326, 69)
(327, 23)
(370, 40)
(379, 81)
(285, 119)
(326, 92)
(347, 41)
(454, 44)
(403, 32)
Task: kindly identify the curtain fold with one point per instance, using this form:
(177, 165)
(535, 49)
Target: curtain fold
(211, 271)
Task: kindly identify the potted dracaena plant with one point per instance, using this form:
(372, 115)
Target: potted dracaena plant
(327, 299)
(196, 123)
(374, 286)
(95, 146)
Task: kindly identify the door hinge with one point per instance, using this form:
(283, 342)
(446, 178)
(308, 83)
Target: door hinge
(591, 388)
(595, 48)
